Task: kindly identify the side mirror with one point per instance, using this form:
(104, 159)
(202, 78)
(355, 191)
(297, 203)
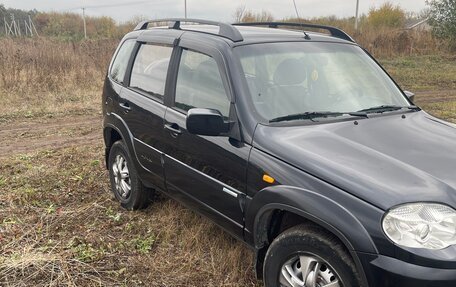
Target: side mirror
(410, 96)
(206, 122)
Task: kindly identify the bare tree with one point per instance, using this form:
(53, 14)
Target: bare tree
(239, 13)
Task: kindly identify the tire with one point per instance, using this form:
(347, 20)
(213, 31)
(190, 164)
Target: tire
(308, 246)
(131, 193)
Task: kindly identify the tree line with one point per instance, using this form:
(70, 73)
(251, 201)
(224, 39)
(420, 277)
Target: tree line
(65, 25)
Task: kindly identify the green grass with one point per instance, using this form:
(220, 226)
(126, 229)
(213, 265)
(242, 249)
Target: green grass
(423, 73)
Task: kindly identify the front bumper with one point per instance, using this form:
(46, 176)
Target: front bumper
(383, 271)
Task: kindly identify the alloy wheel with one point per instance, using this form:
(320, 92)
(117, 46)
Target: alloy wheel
(121, 176)
(308, 271)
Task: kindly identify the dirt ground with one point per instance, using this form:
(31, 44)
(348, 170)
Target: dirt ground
(30, 135)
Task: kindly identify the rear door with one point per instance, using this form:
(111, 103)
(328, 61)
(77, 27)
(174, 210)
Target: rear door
(143, 108)
(206, 172)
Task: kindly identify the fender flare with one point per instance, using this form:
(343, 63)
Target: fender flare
(115, 122)
(315, 208)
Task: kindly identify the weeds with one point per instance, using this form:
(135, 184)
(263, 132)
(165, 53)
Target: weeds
(115, 216)
(86, 253)
(144, 244)
(24, 157)
(50, 209)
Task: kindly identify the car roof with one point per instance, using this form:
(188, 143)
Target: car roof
(251, 34)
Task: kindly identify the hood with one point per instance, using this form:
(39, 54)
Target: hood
(384, 160)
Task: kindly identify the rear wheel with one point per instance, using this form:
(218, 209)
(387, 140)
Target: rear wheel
(125, 183)
(304, 256)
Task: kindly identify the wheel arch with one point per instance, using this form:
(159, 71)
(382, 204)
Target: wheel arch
(110, 135)
(114, 129)
(270, 217)
(302, 206)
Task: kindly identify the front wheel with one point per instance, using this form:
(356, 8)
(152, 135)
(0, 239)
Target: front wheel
(304, 256)
(125, 183)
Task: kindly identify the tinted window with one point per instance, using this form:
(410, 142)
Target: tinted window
(119, 66)
(199, 84)
(150, 69)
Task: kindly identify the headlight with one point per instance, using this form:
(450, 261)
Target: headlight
(421, 225)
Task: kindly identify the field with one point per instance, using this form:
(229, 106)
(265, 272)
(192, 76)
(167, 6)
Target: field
(59, 224)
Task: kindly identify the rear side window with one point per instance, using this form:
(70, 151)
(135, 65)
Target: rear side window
(119, 66)
(199, 84)
(150, 69)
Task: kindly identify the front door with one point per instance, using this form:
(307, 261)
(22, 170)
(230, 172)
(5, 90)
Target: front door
(204, 171)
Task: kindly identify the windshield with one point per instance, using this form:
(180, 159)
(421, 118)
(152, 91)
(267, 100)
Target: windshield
(294, 78)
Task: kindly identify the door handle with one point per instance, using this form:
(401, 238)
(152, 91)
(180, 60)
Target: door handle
(174, 129)
(125, 106)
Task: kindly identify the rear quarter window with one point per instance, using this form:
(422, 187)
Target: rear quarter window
(119, 66)
(150, 68)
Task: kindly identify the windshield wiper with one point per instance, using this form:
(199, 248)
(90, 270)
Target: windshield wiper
(305, 116)
(312, 115)
(387, 108)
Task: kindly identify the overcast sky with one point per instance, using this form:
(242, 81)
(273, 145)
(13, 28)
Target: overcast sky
(123, 10)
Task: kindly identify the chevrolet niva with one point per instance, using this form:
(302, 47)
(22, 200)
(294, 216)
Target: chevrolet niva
(297, 143)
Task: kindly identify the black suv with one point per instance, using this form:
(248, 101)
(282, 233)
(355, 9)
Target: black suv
(297, 143)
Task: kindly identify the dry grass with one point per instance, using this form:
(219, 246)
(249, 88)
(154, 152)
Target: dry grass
(445, 110)
(42, 76)
(386, 41)
(59, 224)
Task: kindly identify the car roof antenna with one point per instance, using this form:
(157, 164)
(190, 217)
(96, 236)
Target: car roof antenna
(306, 36)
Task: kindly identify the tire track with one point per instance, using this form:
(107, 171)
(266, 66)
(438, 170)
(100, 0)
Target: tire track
(44, 124)
(31, 135)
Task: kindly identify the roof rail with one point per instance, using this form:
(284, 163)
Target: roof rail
(335, 32)
(225, 30)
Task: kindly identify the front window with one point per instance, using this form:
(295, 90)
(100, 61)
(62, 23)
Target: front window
(199, 84)
(295, 78)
